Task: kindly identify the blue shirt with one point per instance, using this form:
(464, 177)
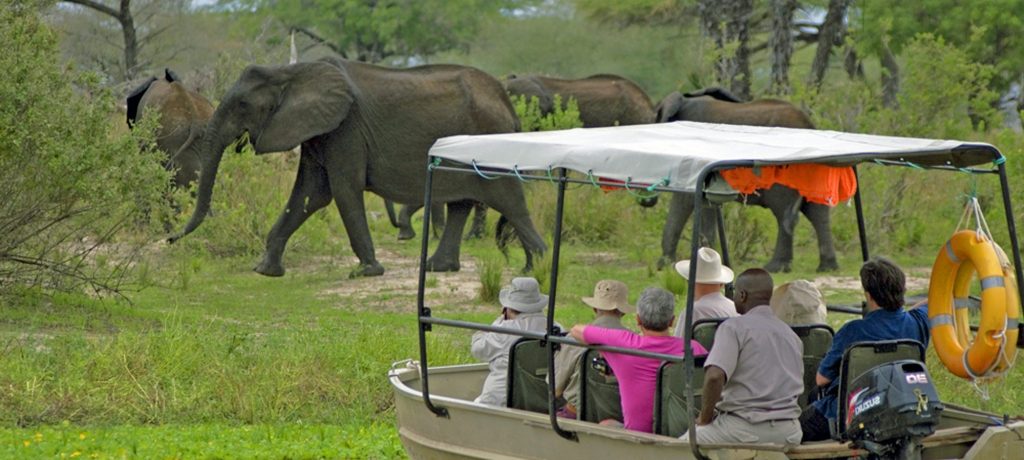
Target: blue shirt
(878, 325)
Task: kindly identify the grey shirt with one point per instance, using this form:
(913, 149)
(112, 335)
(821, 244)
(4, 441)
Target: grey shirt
(567, 369)
(763, 363)
(714, 305)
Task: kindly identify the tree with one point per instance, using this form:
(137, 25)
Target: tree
(69, 186)
(781, 43)
(379, 30)
(830, 34)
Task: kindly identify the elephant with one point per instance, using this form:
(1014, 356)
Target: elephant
(603, 99)
(183, 113)
(364, 127)
(715, 105)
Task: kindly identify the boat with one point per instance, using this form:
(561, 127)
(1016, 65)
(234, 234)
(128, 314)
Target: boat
(436, 415)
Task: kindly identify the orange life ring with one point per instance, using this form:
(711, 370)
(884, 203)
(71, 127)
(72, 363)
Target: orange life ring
(991, 350)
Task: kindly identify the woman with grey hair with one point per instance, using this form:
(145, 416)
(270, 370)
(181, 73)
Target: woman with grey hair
(655, 313)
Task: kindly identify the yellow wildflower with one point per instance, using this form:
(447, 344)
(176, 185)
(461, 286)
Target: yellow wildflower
(27, 443)
(81, 435)
(38, 437)
(75, 454)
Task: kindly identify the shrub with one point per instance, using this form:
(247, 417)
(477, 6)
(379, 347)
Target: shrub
(68, 184)
(491, 267)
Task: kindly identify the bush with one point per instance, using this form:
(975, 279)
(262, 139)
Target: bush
(68, 185)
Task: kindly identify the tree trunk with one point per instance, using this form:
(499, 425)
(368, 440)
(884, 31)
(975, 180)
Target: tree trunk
(890, 77)
(123, 15)
(829, 34)
(781, 43)
(853, 65)
(727, 24)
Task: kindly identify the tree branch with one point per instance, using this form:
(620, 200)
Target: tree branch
(318, 39)
(97, 6)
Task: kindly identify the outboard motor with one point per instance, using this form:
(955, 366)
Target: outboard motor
(890, 408)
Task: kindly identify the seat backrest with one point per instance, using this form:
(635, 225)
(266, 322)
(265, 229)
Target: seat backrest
(704, 331)
(860, 358)
(817, 340)
(671, 417)
(527, 376)
(599, 389)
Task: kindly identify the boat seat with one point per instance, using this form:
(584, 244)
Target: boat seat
(527, 376)
(599, 389)
(704, 331)
(817, 340)
(671, 417)
(862, 357)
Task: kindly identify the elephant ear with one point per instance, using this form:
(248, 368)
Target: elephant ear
(668, 109)
(315, 99)
(133, 101)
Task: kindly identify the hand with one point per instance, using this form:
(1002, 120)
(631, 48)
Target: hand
(577, 332)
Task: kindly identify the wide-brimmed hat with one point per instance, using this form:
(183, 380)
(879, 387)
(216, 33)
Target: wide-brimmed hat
(709, 268)
(799, 302)
(523, 295)
(610, 295)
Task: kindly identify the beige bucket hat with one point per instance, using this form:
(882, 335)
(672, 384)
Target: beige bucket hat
(610, 295)
(709, 268)
(799, 302)
(523, 295)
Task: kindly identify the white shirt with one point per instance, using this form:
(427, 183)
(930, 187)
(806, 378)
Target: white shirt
(714, 305)
(494, 347)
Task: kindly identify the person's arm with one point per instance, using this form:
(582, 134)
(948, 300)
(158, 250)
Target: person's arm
(577, 332)
(485, 346)
(714, 381)
(821, 380)
(828, 370)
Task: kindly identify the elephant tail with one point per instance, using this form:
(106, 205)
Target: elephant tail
(503, 234)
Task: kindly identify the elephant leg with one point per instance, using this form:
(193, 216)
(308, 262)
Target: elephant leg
(679, 210)
(784, 203)
(310, 193)
(446, 257)
(348, 196)
(479, 226)
(512, 205)
(405, 230)
(821, 218)
(437, 219)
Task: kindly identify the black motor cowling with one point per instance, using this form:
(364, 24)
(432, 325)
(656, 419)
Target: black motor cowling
(893, 401)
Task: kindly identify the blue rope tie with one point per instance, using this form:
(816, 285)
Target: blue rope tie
(480, 173)
(434, 163)
(634, 193)
(551, 178)
(590, 176)
(999, 161)
(515, 170)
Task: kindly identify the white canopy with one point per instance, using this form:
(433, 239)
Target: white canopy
(677, 152)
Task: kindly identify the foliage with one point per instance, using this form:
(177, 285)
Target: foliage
(68, 185)
(379, 31)
(491, 267)
(988, 32)
(563, 116)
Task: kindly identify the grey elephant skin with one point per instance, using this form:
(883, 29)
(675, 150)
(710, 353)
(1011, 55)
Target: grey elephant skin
(365, 127)
(603, 100)
(183, 115)
(715, 105)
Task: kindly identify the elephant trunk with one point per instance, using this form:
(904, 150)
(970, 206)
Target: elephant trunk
(211, 153)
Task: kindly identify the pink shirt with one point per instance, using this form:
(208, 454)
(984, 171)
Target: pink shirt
(637, 375)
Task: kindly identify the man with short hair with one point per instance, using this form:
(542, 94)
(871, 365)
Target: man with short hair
(712, 276)
(522, 308)
(655, 312)
(884, 319)
(610, 303)
(753, 376)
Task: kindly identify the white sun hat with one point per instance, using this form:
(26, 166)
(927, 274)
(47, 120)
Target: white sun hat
(709, 268)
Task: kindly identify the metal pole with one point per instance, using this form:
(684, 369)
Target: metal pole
(559, 210)
(688, 321)
(422, 310)
(1011, 226)
(723, 243)
(861, 230)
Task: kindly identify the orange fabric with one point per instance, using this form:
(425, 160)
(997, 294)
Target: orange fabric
(817, 183)
(610, 188)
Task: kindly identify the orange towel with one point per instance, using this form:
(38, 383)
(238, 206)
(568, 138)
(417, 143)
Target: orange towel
(817, 183)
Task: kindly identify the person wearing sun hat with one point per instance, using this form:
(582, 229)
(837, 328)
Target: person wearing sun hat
(522, 308)
(610, 303)
(708, 300)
